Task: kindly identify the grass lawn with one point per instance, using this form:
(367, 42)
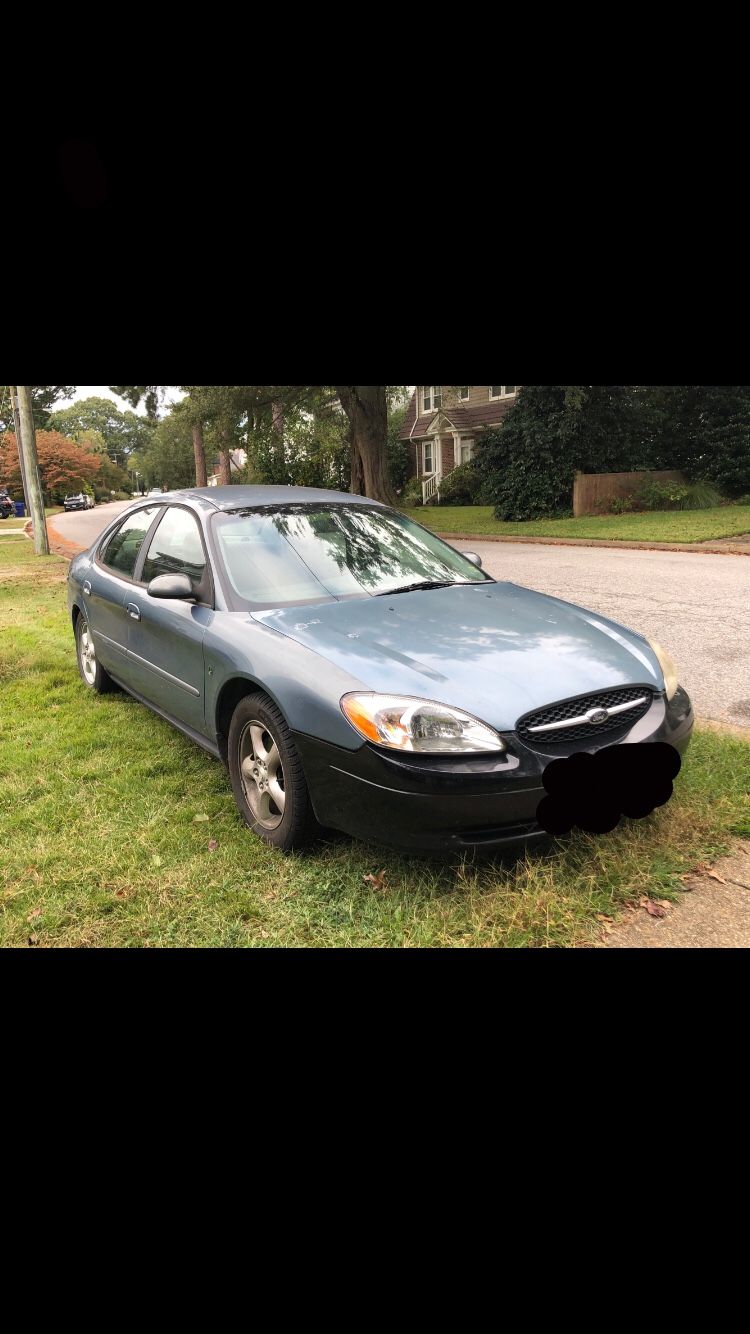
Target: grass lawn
(8, 525)
(101, 845)
(659, 526)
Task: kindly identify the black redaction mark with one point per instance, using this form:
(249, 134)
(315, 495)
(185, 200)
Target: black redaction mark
(595, 791)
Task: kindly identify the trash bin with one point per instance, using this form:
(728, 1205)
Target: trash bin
(20, 509)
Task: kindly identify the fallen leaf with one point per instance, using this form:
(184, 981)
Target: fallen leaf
(33, 940)
(377, 881)
(602, 917)
(37, 912)
(200, 819)
(654, 909)
(706, 870)
(212, 845)
(122, 893)
(264, 935)
(156, 861)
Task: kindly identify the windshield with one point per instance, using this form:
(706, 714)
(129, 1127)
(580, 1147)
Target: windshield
(316, 553)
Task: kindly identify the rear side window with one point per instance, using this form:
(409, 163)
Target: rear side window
(121, 552)
(176, 548)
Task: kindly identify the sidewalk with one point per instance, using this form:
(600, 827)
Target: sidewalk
(721, 546)
(713, 914)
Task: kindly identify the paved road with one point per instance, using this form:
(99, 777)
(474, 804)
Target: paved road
(84, 526)
(698, 606)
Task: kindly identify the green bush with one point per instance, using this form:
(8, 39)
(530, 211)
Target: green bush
(701, 496)
(654, 495)
(620, 505)
(462, 486)
(412, 493)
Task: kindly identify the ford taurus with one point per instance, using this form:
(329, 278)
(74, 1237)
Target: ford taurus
(355, 672)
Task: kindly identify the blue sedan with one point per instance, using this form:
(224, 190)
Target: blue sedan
(355, 672)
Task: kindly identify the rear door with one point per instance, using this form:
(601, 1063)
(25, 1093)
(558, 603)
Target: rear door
(107, 588)
(165, 636)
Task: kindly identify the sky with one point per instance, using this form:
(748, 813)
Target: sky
(102, 391)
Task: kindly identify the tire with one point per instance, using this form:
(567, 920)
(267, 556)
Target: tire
(264, 766)
(92, 673)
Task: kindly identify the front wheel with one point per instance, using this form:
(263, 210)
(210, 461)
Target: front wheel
(267, 778)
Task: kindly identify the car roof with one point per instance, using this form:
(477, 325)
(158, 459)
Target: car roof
(229, 498)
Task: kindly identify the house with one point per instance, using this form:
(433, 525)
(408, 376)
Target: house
(237, 460)
(443, 423)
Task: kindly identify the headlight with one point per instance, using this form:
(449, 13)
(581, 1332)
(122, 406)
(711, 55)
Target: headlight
(421, 725)
(667, 664)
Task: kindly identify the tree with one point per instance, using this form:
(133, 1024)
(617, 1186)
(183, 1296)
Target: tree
(43, 398)
(529, 463)
(150, 394)
(366, 407)
(122, 432)
(64, 466)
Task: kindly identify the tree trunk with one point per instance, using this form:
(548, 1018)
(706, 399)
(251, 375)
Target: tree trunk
(366, 406)
(200, 455)
(277, 411)
(225, 461)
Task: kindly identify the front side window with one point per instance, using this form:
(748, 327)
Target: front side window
(428, 456)
(175, 548)
(432, 397)
(123, 548)
(463, 394)
(502, 390)
(466, 450)
(325, 553)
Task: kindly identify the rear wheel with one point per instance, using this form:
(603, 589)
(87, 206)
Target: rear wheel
(267, 779)
(92, 673)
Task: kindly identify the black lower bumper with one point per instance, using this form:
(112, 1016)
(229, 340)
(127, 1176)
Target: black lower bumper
(424, 804)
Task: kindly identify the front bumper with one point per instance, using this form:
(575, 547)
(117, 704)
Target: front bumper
(426, 804)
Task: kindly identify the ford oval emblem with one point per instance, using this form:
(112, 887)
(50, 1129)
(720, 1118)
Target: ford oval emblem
(597, 715)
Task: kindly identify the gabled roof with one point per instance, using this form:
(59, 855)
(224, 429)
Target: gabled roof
(459, 418)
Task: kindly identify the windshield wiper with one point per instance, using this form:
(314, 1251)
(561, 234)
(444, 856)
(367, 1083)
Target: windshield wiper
(427, 583)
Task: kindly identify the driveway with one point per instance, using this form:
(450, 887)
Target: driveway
(697, 606)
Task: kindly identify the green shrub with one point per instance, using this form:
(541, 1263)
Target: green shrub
(655, 495)
(701, 496)
(461, 487)
(620, 505)
(412, 493)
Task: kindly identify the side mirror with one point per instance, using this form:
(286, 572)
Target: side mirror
(473, 557)
(171, 586)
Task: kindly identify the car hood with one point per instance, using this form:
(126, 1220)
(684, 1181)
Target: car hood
(496, 650)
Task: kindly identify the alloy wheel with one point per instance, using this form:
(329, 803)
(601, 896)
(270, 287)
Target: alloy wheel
(262, 775)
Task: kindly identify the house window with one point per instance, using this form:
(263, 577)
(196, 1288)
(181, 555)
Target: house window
(465, 449)
(463, 394)
(432, 397)
(502, 390)
(428, 465)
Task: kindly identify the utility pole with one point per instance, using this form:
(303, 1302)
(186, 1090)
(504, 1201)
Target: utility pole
(33, 482)
(17, 425)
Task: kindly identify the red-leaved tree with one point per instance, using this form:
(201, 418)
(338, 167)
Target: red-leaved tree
(64, 466)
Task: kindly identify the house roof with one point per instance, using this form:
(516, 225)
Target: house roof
(459, 418)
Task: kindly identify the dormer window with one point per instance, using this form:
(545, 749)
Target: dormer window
(463, 394)
(432, 397)
(502, 390)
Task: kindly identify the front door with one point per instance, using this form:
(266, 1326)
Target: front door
(107, 586)
(165, 636)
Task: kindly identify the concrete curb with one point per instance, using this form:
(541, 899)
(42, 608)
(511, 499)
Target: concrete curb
(703, 548)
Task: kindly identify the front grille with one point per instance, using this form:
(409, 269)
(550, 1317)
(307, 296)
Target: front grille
(573, 708)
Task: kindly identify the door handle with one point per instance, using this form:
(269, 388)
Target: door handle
(134, 611)
(87, 586)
